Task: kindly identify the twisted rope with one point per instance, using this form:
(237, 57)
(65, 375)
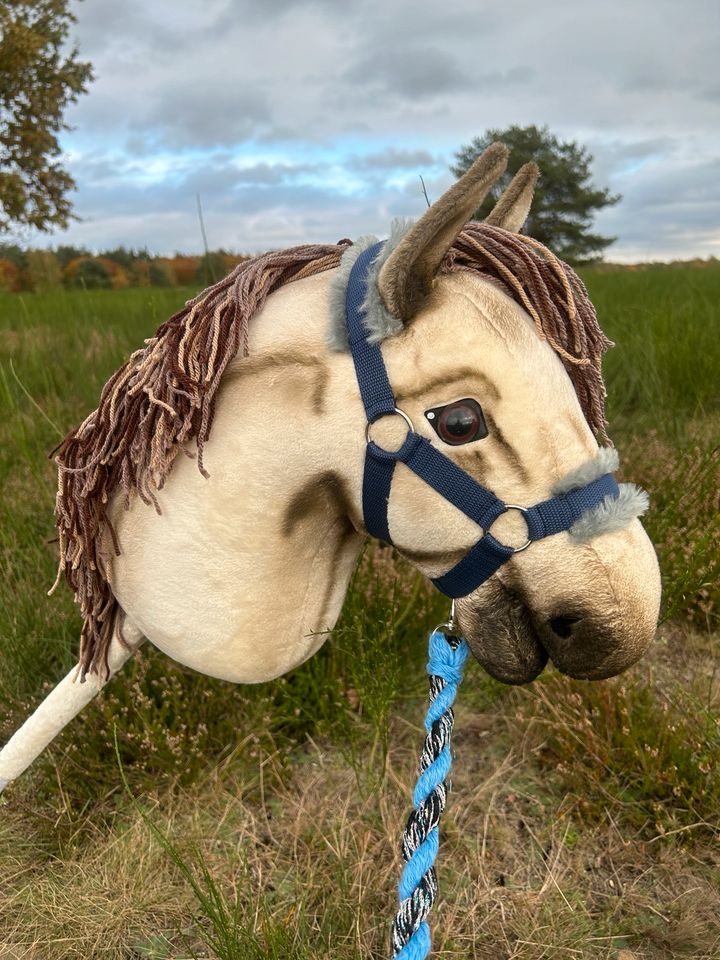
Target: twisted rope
(418, 884)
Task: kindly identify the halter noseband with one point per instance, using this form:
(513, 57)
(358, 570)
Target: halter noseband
(427, 462)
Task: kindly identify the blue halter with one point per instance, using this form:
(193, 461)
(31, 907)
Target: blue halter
(475, 501)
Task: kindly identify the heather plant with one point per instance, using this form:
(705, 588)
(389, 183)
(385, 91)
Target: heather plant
(647, 755)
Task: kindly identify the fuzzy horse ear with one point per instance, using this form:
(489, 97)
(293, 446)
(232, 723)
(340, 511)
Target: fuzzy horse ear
(513, 207)
(407, 275)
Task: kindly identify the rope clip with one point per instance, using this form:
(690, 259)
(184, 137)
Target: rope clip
(450, 625)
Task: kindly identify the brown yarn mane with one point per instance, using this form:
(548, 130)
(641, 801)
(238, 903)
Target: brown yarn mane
(554, 296)
(165, 394)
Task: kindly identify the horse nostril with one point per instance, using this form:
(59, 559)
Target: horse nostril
(562, 626)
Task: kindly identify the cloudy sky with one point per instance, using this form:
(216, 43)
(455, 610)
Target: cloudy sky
(311, 120)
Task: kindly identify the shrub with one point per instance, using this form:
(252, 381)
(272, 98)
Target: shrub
(161, 273)
(89, 273)
(185, 269)
(684, 521)
(43, 272)
(9, 277)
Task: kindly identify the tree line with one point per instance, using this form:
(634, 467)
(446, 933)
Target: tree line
(76, 268)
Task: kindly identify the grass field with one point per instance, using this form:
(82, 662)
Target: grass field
(262, 823)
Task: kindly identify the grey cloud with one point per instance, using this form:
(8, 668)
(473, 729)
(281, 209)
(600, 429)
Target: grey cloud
(413, 195)
(271, 174)
(281, 134)
(267, 177)
(286, 86)
(219, 180)
(140, 145)
(101, 168)
(392, 158)
(249, 220)
(409, 72)
(640, 149)
(100, 24)
(611, 158)
(502, 79)
(711, 92)
(205, 113)
(271, 9)
(651, 78)
(671, 209)
(409, 23)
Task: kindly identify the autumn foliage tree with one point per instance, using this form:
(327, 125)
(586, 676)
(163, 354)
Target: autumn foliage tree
(39, 77)
(9, 276)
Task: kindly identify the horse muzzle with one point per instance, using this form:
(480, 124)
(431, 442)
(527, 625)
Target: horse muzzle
(590, 608)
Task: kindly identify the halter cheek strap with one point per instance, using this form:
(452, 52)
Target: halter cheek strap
(440, 472)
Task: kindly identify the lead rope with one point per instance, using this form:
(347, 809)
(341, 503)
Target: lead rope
(418, 884)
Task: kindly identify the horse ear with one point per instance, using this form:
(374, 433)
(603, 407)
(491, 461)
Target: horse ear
(407, 275)
(511, 210)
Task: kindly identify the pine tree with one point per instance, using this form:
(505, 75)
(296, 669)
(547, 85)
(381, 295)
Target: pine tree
(565, 199)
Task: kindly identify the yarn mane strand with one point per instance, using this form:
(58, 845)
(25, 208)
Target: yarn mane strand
(164, 395)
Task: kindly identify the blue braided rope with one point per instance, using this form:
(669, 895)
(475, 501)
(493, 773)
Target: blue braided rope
(418, 884)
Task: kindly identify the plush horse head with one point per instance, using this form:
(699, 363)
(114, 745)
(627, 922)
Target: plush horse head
(213, 503)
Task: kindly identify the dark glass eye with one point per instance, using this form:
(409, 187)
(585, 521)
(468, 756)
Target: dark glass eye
(458, 422)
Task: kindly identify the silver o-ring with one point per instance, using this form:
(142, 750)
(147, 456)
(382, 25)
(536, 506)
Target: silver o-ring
(523, 510)
(400, 413)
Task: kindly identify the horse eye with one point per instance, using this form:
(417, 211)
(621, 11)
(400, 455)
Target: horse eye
(458, 422)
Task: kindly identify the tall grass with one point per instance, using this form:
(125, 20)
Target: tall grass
(56, 351)
(663, 372)
(649, 755)
(664, 410)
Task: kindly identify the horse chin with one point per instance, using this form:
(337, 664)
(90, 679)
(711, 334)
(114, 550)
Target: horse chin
(500, 633)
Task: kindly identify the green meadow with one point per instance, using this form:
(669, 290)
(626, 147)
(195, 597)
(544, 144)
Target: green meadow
(183, 817)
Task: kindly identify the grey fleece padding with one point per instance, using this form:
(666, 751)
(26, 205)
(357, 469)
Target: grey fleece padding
(612, 513)
(379, 321)
(606, 461)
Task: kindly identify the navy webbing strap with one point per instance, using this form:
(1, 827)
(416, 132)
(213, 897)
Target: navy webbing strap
(477, 566)
(370, 370)
(438, 471)
(561, 512)
(543, 520)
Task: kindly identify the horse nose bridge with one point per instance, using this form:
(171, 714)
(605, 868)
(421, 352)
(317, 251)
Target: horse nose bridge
(613, 576)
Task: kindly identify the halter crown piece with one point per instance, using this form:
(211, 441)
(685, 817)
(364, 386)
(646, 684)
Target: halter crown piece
(447, 652)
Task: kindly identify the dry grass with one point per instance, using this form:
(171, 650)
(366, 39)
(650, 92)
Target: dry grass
(312, 855)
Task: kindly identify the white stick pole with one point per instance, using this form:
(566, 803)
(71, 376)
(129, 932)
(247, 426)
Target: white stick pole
(63, 703)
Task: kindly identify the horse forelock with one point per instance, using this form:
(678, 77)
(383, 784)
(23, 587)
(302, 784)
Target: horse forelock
(165, 394)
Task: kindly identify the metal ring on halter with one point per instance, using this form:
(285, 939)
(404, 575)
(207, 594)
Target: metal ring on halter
(523, 510)
(400, 413)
